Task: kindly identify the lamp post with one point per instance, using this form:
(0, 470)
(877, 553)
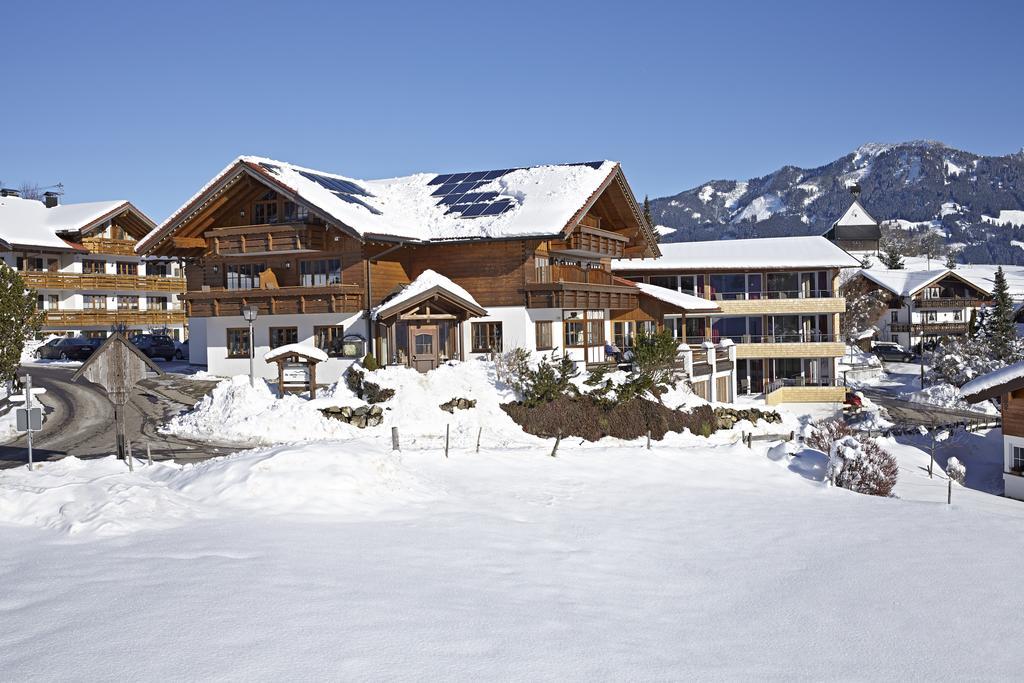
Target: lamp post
(250, 313)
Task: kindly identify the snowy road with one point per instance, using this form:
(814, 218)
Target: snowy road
(79, 419)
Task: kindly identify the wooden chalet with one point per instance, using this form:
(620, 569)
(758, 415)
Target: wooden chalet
(522, 258)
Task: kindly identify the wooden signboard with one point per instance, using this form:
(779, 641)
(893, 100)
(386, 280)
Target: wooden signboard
(117, 366)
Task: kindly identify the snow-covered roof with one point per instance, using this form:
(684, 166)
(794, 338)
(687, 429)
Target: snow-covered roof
(994, 383)
(687, 302)
(856, 215)
(909, 282)
(424, 282)
(300, 349)
(505, 203)
(764, 252)
(29, 222)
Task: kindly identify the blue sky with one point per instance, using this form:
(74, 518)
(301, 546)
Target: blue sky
(147, 101)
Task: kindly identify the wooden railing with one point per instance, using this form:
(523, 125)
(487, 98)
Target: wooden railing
(106, 245)
(565, 273)
(929, 328)
(265, 239)
(283, 300)
(74, 318)
(954, 302)
(58, 280)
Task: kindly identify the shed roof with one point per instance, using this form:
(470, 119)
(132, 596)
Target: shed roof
(764, 252)
(994, 384)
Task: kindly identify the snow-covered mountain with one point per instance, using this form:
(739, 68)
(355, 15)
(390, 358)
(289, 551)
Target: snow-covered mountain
(975, 200)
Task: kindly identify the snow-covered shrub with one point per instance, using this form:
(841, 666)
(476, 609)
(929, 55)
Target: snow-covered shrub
(541, 382)
(956, 471)
(856, 462)
(654, 358)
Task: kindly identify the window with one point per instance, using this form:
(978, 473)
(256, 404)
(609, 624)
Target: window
(94, 266)
(264, 210)
(929, 316)
(157, 303)
(666, 281)
(54, 300)
(622, 335)
(894, 316)
(783, 285)
(543, 329)
(280, 336)
(320, 273)
(688, 284)
(1017, 461)
(30, 264)
(293, 213)
(158, 268)
(126, 268)
(127, 303)
(238, 342)
(729, 285)
(486, 337)
(423, 344)
(329, 340)
(958, 316)
(94, 302)
(40, 302)
(243, 275)
(573, 333)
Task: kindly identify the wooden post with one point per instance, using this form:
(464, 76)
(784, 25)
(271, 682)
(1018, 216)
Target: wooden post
(648, 439)
(558, 440)
(447, 433)
(478, 433)
(394, 439)
(149, 455)
(131, 466)
(949, 493)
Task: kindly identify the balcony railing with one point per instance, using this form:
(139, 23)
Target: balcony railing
(85, 281)
(952, 302)
(74, 318)
(339, 298)
(573, 274)
(779, 294)
(777, 384)
(783, 338)
(930, 328)
(106, 245)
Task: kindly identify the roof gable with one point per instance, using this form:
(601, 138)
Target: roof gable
(856, 216)
(28, 222)
(910, 282)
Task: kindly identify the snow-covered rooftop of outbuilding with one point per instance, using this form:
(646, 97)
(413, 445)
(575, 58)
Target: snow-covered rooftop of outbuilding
(426, 281)
(29, 222)
(290, 349)
(687, 302)
(986, 383)
(540, 200)
(764, 252)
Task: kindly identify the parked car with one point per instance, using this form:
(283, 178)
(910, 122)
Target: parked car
(181, 350)
(68, 348)
(155, 345)
(892, 352)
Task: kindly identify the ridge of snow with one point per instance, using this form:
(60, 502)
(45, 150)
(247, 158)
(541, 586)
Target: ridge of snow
(992, 379)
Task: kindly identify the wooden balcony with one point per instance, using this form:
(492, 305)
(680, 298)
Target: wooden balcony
(930, 328)
(955, 303)
(82, 318)
(593, 242)
(281, 301)
(257, 240)
(572, 274)
(87, 281)
(106, 245)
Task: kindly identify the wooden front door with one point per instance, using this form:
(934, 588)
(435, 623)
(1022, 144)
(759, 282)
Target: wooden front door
(423, 347)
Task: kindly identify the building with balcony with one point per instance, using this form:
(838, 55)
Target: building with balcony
(926, 304)
(80, 259)
(778, 303)
(417, 270)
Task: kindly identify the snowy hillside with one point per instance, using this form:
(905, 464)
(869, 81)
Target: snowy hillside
(974, 200)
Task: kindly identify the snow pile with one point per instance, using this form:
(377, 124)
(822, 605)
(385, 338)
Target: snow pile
(948, 396)
(101, 497)
(237, 412)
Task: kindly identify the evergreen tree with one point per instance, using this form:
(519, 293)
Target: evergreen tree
(950, 261)
(19, 320)
(647, 217)
(1001, 328)
(892, 258)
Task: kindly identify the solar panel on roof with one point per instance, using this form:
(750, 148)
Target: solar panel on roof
(335, 184)
(458, 192)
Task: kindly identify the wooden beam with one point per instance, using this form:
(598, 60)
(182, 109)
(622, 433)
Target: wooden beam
(188, 242)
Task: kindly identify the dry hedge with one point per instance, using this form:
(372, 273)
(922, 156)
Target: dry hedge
(582, 417)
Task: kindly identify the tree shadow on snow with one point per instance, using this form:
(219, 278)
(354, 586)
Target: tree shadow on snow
(810, 464)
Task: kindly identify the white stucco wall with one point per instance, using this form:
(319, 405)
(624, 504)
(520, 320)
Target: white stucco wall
(1014, 485)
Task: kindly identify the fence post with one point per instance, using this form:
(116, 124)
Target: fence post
(478, 433)
(447, 432)
(395, 446)
(648, 439)
(149, 455)
(131, 467)
(558, 439)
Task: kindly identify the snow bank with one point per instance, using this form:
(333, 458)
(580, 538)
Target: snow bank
(101, 497)
(948, 396)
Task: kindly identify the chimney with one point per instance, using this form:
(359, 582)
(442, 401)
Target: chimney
(50, 199)
(9, 192)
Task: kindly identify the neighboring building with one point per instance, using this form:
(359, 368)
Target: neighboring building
(926, 304)
(1006, 385)
(778, 303)
(856, 230)
(416, 270)
(81, 260)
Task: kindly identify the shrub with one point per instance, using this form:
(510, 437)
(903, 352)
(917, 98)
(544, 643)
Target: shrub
(355, 380)
(370, 363)
(856, 462)
(550, 379)
(655, 358)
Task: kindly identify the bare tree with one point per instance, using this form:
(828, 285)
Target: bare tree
(30, 190)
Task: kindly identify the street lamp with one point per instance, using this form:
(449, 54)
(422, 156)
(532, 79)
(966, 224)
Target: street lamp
(249, 313)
